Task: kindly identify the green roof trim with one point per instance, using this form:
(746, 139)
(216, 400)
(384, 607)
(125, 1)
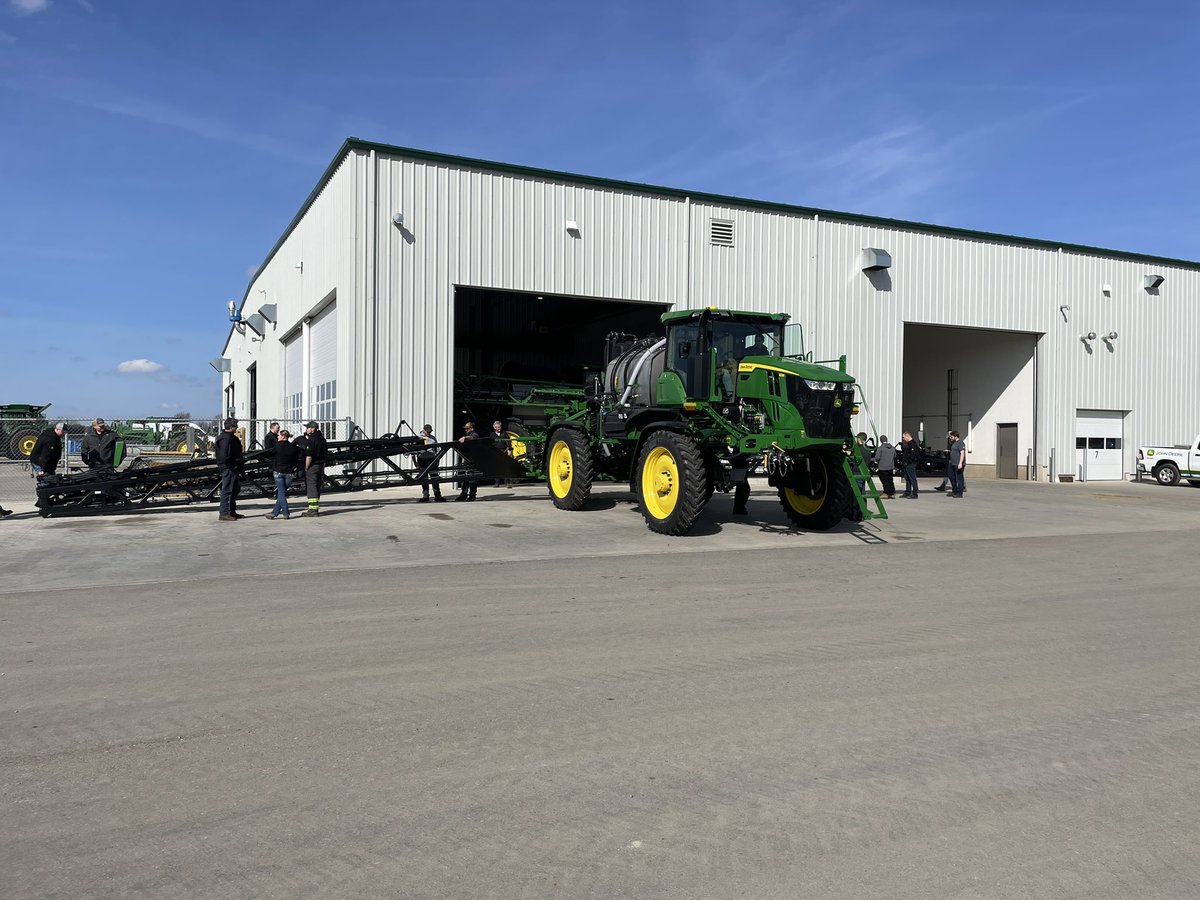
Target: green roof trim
(352, 144)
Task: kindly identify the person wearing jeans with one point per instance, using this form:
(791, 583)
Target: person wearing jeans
(287, 461)
(957, 460)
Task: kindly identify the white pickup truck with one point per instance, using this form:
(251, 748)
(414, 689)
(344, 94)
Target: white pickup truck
(1168, 464)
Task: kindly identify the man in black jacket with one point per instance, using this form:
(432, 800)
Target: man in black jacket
(272, 437)
(99, 449)
(47, 452)
(469, 483)
(910, 455)
(229, 464)
(286, 461)
(314, 467)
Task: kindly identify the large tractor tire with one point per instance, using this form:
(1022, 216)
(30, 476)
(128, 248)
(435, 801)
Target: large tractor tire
(672, 482)
(22, 443)
(569, 469)
(518, 436)
(832, 496)
(1167, 473)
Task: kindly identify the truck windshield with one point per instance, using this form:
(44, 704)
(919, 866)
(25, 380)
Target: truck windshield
(736, 340)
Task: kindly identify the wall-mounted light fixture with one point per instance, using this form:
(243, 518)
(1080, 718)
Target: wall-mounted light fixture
(270, 312)
(872, 259)
(1090, 336)
(398, 219)
(1111, 336)
(1152, 282)
(1106, 290)
(221, 364)
(573, 228)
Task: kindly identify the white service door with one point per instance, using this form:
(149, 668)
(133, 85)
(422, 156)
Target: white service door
(1099, 437)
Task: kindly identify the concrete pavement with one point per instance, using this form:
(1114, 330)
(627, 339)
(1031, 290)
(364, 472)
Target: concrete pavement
(993, 697)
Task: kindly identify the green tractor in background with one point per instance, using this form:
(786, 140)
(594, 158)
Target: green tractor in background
(20, 425)
(702, 409)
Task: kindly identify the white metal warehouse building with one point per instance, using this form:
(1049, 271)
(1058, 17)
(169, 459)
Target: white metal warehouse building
(404, 267)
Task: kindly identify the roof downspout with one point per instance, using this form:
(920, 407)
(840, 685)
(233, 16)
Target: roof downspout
(687, 275)
(372, 299)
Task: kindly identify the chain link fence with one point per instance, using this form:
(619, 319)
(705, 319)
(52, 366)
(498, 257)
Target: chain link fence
(151, 440)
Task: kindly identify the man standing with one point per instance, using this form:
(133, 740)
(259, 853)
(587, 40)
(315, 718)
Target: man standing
(425, 459)
(503, 443)
(910, 455)
(272, 437)
(99, 449)
(286, 458)
(470, 485)
(314, 467)
(885, 463)
(229, 464)
(957, 459)
(47, 452)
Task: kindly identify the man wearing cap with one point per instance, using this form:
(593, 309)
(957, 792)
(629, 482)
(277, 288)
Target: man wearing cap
(229, 465)
(314, 467)
(99, 447)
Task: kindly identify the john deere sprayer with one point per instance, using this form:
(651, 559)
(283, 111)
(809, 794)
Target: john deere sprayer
(702, 409)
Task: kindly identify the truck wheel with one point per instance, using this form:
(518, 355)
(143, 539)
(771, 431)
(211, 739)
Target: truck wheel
(832, 500)
(22, 443)
(672, 482)
(1167, 473)
(569, 469)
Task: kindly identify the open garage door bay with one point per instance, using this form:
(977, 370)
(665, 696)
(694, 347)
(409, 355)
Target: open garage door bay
(508, 339)
(979, 382)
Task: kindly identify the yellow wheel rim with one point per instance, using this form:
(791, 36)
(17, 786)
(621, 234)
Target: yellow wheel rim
(25, 445)
(804, 504)
(518, 446)
(660, 483)
(561, 469)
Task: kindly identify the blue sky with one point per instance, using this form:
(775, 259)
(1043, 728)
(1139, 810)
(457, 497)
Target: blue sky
(152, 152)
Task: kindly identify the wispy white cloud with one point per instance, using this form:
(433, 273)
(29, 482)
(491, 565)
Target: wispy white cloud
(86, 5)
(96, 95)
(140, 367)
(29, 7)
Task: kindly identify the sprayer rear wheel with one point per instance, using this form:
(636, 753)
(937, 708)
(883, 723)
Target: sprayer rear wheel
(672, 482)
(569, 469)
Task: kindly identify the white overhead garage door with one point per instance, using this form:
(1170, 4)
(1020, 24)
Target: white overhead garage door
(322, 368)
(1099, 435)
(293, 381)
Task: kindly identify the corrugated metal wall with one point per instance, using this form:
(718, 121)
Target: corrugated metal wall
(471, 226)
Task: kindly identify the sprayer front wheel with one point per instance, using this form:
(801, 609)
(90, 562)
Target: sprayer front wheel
(569, 469)
(827, 503)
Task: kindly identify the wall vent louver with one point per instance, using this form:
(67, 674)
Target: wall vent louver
(720, 232)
